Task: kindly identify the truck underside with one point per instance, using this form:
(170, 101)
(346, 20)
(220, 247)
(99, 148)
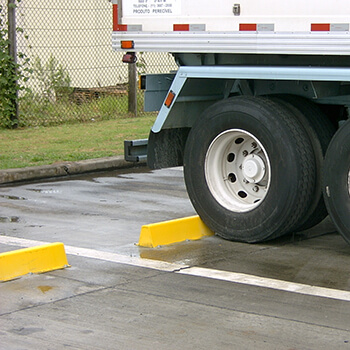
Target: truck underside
(211, 78)
(252, 138)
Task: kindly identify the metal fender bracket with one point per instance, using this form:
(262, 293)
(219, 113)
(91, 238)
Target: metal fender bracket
(135, 150)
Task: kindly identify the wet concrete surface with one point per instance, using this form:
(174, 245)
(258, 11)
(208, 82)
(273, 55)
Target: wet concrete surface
(99, 304)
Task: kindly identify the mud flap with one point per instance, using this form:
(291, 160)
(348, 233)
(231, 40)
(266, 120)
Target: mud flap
(166, 148)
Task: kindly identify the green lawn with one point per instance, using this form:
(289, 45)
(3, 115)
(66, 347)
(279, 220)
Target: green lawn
(47, 145)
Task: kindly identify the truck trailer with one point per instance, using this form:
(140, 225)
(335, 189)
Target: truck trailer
(257, 112)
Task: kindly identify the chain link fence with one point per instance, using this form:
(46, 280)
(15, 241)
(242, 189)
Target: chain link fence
(75, 76)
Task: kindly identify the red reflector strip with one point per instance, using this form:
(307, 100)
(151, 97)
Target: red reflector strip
(320, 27)
(121, 28)
(248, 27)
(169, 99)
(181, 27)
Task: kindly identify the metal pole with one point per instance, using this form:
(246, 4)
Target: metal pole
(132, 100)
(12, 29)
(11, 12)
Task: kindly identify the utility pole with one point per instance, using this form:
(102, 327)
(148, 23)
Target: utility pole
(132, 93)
(12, 37)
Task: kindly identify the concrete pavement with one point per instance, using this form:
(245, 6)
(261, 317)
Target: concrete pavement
(105, 302)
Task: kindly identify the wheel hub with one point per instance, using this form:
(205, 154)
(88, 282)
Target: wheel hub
(237, 170)
(253, 168)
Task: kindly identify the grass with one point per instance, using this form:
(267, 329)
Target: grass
(69, 142)
(36, 112)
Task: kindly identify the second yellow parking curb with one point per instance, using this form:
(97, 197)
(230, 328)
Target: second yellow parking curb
(173, 231)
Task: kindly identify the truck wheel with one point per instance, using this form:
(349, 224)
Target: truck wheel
(336, 188)
(249, 169)
(320, 131)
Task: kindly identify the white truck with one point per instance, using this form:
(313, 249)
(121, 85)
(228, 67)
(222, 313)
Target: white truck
(253, 109)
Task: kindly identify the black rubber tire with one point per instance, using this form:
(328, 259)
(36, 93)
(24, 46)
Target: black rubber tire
(291, 161)
(320, 131)
(336, 181)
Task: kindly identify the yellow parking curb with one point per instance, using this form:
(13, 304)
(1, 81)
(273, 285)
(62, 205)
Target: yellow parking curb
(173, 231)
(39, 259)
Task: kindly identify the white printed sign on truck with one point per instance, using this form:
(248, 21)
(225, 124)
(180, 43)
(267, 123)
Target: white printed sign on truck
(152, 8)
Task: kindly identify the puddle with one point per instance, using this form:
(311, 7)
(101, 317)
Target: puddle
(4, 219)
(45, 289)
(126, 173)
(26, 330)
(45, 191)
(15, 198)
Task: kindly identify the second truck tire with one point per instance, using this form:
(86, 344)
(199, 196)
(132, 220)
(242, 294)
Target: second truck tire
(320, 131)
(337, 180)
(249, 169)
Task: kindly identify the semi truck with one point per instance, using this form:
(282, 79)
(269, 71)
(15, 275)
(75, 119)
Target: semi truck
(257, 112)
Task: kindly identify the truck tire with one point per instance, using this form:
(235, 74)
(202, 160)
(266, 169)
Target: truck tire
(320, 131)
(249, 169)
(336, 184)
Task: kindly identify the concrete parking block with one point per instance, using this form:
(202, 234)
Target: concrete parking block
(173, 231)
(39, 259)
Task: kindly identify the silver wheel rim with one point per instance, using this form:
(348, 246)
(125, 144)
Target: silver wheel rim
(237, 170)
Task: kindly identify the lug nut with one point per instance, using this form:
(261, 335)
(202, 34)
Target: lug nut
(256, 189)
(245, 153)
